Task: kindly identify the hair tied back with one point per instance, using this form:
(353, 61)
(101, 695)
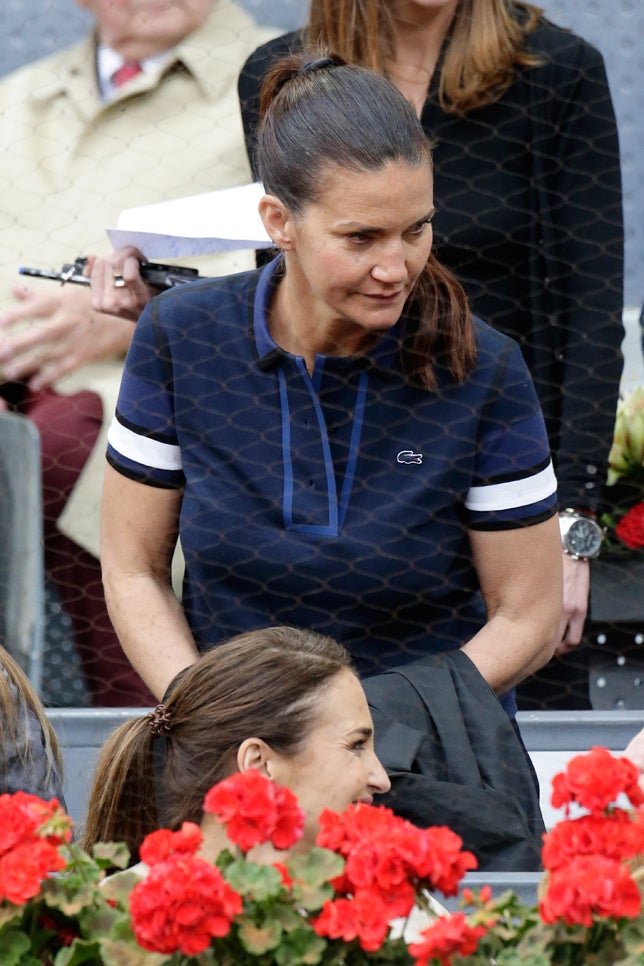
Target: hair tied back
(159, 720)
(320, 63)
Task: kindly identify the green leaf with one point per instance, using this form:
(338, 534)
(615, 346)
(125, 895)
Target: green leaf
(9, 913)
(301, 945)
(80, 951)
(118, 947)
(532, 954)
(311, 874)
(250, 879)
(128, 953)
(258, 939)
(13, 944)
(102, 921)
(107, 854)
(289, 917)
(318, 865)
(70, 903)
(118, 886)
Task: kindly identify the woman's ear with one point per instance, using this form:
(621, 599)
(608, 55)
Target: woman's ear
(254, 753)
(277, 221)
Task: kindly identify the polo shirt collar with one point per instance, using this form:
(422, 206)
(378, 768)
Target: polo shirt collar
(384, 355)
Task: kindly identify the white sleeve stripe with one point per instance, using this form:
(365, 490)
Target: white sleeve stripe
(142, 449)
(506, 496)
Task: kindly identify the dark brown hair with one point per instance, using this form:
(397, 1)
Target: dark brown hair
(349, 117)
(487, 42)
(264, 684)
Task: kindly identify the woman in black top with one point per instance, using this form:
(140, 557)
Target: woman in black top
(528, 190)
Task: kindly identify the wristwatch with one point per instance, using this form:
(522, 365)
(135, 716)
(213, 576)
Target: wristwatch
(581, 536)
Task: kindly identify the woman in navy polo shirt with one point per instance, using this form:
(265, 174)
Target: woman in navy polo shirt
(337, 442)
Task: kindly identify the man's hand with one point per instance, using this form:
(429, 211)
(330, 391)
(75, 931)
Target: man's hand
(49, 335)
(129, 301)
(576, 590)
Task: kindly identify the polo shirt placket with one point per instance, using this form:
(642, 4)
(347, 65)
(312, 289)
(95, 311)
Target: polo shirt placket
(316, 490)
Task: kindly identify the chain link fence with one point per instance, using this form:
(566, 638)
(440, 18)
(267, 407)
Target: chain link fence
(608, 672)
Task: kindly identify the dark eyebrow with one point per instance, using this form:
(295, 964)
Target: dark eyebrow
(365, 732)
(428, 217)
(354, 226)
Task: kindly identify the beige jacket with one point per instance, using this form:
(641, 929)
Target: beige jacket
(71, 164)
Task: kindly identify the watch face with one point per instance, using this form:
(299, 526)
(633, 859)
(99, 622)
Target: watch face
(584, 538)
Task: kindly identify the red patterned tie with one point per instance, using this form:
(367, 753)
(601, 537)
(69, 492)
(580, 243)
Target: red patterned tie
(126, 72)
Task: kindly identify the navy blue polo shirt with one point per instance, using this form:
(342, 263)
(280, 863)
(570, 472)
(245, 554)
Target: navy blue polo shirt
(338, 501)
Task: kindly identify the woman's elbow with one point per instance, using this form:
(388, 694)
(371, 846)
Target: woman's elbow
(548, 625)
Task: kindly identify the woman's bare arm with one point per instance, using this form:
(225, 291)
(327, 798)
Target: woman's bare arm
(520, 572)
(138, 537)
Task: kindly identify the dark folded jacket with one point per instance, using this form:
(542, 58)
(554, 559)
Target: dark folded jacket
(455, 758)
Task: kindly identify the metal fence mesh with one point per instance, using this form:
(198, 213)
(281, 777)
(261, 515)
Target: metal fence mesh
(608, 671)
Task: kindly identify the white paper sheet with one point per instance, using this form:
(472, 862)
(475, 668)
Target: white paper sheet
(218, 221)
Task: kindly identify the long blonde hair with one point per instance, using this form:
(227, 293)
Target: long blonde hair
(17, 700)
(487, 42)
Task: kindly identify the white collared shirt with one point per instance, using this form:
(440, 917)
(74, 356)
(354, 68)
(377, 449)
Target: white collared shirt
(108, 62)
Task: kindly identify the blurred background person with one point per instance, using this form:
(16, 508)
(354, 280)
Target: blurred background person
(142, 110)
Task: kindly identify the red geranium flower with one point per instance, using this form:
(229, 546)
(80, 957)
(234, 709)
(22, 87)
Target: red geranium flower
(630, 529)
(16, 825)
(158, 846)
(30, 832)
(443, 862)
(375, 844)
(482, 898)
(181, 905)
(596, 779)
(24, 817)
(24, 867)
(590, 885)
(387, 852)
(256, 810)
(363, 917)
(287, 879)
(447, 937)
(617, 836)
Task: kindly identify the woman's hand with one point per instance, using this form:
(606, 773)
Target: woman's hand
(635, 751)
(576, 590)
(128, 301)
(48, 335)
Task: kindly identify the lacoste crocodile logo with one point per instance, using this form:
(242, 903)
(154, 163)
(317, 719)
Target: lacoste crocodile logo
(408, 456)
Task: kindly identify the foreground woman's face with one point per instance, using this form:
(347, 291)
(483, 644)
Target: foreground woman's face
(357, 250)
(338, 765)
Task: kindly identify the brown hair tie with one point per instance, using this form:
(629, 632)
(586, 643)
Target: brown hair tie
(159, 720)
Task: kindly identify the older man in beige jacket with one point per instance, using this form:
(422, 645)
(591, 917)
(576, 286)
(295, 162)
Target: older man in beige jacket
(143, 110)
